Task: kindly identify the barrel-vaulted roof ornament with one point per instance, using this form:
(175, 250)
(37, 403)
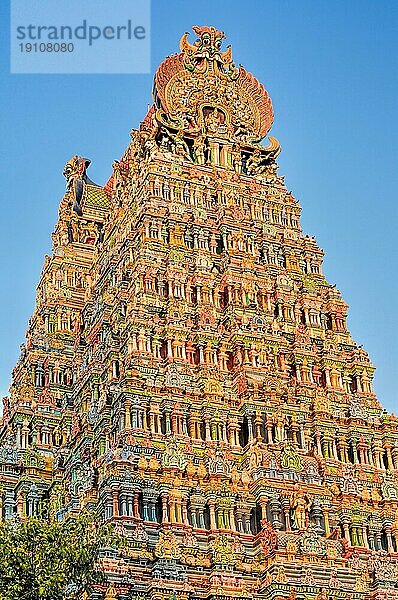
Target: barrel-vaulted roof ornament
(201, 88)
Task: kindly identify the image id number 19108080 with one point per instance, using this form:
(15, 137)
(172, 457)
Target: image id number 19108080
(46, 47)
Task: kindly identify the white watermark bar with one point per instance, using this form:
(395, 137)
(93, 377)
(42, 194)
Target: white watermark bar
(80, 36)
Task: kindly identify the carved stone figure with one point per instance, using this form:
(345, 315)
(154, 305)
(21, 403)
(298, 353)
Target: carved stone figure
(300, 506)
(75, 175)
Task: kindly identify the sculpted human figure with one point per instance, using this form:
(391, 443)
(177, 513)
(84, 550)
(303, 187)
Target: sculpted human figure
(111, 592)
(238, 358)
(236, 158)
(119, 178)
(213, 120)
(300, 506)
(279, 426)
(181, 147)
(135, 144)
(272, 169)
(199, 149)
(256, 163)
(150, 147)
(241, 131)
(255, 457)
(116, 173)
(280, 575)
(63, 234)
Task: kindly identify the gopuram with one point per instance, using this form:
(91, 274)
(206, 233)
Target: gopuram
(188, 372)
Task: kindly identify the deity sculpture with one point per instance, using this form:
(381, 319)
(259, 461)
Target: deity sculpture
(255, 163)
(111, 593)
(300, 506)
(214, 121)
(199, 148)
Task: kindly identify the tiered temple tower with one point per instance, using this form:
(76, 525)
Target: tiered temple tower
(188, 372)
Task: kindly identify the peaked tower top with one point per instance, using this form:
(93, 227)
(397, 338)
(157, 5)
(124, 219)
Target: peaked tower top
(200, 90)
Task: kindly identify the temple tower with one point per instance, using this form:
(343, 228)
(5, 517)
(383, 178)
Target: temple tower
(188, 371)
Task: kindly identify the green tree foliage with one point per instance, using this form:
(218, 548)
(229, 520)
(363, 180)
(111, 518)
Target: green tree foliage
(42, 559)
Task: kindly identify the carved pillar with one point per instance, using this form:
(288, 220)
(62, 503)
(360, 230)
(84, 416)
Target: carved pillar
(263, 503)
(303, 443)
(232, 518)
(115, 502)
(394, 531)
(250, 426)
(318, 443)
(371, 539)
(346, 530)
(172, 509)
(167, 421)
(194, 521)
(184, 511)
(269, 430)
(377, 450)
(25, 436)
(239, 521)
(365, 537)
(378, 541)
(127, 423)
(201, 354)
(327, 377)
(152, 510)
(258, 422)
(220, 519)
(342, 445)
(201, 520)
(390, 463)
(165, 516)
(325, 447)
(334, 448)
(214, 152)
(390, 545)
(275, 508)
(21, 504)
(207, 429)
(326, 520)
(394, 452)
(225, 155)
(213, 524)
(286, 510)
(169, 348)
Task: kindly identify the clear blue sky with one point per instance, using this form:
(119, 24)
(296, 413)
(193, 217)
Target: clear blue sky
(330, 68)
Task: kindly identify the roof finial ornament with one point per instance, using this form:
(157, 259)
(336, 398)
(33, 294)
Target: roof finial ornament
(200, 91)
(205, 54)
